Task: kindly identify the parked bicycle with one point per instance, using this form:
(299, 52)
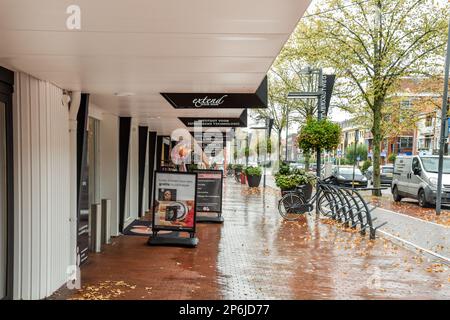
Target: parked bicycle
(344, 205)
(294, 203)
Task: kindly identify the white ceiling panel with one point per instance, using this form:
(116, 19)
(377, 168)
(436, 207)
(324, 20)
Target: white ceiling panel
(157, 16)
(147, 47)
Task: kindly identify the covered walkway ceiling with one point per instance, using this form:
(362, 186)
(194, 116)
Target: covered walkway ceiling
(146, 47)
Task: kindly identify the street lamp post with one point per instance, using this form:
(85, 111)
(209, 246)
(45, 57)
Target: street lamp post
(319, 117)
(307, 95)
(267, 136)
(443, 133)
(354, 158)
(287, 134)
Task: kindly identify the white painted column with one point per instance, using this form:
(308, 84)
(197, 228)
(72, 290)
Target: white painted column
(109, 166)
(42, 246)
(74, 107)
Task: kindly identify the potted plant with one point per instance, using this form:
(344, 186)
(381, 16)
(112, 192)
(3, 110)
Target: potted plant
(304, 181)
(288, 179)
(246, 153)
(392, 157)
(243, 176)
(253, 176)
(192, 167)
(238, 168)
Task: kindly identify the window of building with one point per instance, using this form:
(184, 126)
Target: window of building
(406, 104)
(429, 121)
(406, 142)
(427, 143)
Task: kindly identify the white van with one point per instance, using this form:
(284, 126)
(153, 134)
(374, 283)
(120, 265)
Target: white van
(416, 177)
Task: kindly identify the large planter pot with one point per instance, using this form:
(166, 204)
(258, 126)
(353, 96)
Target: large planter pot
(307, 190)
(284, 191)
(243, 178)
(253, 181)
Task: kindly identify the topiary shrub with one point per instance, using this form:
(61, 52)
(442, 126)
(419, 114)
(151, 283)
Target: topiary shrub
(319, 134)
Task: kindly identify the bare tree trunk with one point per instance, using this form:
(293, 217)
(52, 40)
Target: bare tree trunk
(377, 139)
(307, 156)
(279, 146)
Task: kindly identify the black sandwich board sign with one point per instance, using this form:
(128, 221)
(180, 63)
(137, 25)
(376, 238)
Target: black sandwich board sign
(209, 195)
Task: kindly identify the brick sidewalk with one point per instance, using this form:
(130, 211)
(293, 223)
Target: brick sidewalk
(256, 255)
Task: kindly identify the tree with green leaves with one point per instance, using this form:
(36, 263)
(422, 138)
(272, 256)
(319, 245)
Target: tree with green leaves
(352, 153)
(371, 45)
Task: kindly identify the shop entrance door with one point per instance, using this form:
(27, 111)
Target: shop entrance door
(6, 196)
(3, 205)
(6, 184)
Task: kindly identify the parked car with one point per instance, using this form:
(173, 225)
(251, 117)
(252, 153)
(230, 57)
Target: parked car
(386, 174)
(297, 165)
(313, 167)
(369, 173)
(343, 176)
(416, 177)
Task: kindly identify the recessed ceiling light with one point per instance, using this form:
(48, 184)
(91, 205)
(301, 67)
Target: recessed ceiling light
(124, 94)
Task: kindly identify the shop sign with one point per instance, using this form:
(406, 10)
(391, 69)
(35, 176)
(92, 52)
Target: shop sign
(213, 122)
(219, 100)
(240, 122)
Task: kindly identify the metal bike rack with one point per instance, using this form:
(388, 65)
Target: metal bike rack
(347, 206)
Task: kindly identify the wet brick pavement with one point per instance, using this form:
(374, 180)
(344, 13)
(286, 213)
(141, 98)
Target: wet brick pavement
(257, 255)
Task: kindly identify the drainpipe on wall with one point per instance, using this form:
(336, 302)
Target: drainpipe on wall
(73, 111)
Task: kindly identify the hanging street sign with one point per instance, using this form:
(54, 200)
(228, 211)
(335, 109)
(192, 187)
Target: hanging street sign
(219, 100)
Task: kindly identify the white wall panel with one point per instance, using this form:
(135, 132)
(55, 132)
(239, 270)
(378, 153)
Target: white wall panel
(132, 194)
(134, 172)
(109, 166)
(42, 188)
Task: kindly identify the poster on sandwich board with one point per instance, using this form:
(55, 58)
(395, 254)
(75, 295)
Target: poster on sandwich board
(175, 201)
(209, 191)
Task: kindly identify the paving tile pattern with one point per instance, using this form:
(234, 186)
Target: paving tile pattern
(257, 255)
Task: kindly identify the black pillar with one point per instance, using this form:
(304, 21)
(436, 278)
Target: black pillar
(6, 96)
(143, 137)
(159, 146)
(151, 165)
(124, 147)
(167, 148)
(82, 179)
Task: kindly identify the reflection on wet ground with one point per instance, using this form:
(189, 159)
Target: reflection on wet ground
(257, 255)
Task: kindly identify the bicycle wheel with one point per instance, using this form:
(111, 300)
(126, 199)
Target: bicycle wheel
(288, 206)
(324, 205)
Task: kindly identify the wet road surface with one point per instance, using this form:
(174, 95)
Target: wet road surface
(257, 255)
